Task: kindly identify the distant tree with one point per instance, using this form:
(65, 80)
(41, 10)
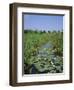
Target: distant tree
(48, 31)
(35, 31)
(44, 31)
(58, 31)
(54, 31)
(25, 31)
(41, 32)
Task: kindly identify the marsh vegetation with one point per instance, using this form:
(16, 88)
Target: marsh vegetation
(43, 52)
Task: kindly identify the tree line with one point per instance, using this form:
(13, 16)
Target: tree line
(41, 31)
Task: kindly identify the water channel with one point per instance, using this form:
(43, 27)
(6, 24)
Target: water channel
(46, 61)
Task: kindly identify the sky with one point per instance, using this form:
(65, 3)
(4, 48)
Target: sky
(43, 22)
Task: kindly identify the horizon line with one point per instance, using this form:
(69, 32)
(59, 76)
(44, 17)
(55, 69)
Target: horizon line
(42, 29)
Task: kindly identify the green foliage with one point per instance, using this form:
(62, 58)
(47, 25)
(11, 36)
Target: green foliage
(52, 61)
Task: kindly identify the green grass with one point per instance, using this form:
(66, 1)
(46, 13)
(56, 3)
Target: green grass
(33, 41)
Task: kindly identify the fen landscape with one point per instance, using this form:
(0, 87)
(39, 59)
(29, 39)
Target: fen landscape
(43, 52)
(43, 44)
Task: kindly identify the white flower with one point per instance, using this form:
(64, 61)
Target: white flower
(45, 58)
